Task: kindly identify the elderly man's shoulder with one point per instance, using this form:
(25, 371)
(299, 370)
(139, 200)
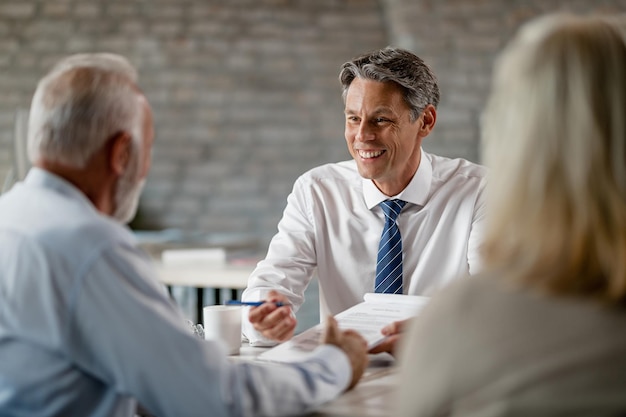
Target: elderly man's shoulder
(107, 231)
(90, 234)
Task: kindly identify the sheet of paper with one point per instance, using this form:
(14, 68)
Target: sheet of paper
(368, 318)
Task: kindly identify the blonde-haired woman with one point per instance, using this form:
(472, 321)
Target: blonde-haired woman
(543, 330)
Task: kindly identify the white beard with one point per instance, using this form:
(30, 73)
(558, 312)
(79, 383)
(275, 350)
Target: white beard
(127, 197)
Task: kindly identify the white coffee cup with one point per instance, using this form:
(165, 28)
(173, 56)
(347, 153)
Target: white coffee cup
(223, 323)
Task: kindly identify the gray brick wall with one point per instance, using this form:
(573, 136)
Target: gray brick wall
(245, 92)
(461, 39)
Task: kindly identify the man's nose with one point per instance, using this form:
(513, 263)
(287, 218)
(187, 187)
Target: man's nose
(364, 132)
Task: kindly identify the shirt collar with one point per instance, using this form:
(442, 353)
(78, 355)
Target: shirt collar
(38, 177)
(415, 193)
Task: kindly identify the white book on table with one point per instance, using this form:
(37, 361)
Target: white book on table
(368, 318)
(198, 256)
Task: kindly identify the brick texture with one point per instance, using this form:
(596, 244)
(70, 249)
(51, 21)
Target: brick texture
(245, 92)
(460, 39)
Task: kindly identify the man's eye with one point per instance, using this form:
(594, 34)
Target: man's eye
(380, 120)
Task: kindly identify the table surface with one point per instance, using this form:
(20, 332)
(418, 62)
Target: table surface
(372, 397)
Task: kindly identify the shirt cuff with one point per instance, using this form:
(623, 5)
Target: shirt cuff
(336, 358)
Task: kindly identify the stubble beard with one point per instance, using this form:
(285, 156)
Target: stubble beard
(127, 196)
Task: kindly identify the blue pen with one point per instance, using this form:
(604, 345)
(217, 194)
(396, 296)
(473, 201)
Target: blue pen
(252, 303)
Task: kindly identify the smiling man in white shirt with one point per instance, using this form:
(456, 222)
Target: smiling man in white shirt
(333, 222)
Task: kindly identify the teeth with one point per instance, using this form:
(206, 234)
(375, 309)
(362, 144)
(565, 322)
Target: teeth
(370, 154)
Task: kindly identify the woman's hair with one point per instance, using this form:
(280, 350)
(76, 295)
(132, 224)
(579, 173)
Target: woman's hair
(554, 135)
(80, 104)
(408, 71)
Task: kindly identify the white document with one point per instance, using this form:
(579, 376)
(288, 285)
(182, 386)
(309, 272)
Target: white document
(368, 318)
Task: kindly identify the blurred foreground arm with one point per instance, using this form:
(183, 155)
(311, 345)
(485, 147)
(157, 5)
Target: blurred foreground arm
(353, 345)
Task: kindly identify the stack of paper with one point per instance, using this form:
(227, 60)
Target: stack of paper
(368, 318)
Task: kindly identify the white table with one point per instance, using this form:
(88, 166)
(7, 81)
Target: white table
(206, 275)
(372, 397)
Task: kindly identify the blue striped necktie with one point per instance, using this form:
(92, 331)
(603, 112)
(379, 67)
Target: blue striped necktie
(389, 262)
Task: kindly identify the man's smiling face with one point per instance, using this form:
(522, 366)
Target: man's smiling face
(381, 137)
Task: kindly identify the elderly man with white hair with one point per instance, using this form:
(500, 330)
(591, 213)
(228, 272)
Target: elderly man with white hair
(85, 328)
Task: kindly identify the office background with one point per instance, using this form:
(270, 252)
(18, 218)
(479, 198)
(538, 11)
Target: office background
(245, 92)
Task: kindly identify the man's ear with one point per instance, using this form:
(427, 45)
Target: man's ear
(120, 152)
(429, 118)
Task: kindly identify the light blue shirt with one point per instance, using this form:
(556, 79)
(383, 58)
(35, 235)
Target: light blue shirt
(86, 330)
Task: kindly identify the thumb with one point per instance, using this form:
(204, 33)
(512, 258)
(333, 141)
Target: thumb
(331, 332)
(395, 328)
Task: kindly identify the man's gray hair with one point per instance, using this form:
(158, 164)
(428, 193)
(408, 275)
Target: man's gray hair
(82, 102)
(407, 70)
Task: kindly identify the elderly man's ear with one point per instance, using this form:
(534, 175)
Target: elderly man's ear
(120, 152)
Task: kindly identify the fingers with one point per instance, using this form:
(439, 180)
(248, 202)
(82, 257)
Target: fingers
(282, 331)
(355, 347)
(358, 339)
(273, 322)
(331, 331)
(387, 345)
(258, 315)
(395, 327)
(392, 331)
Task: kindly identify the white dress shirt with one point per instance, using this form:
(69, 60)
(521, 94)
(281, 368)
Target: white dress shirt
(86, 329)
(332, 224)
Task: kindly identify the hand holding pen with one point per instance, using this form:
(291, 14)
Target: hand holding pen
(274, 317)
